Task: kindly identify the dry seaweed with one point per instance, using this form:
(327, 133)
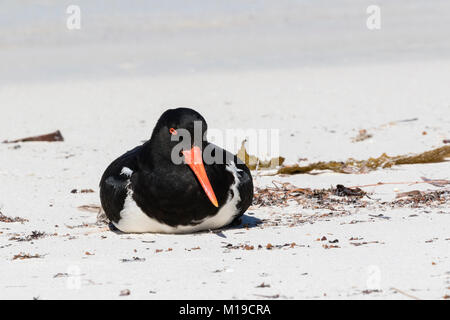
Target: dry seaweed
(412, 193)
(6, 219)
(51, 137)
(350, 166)
(338, 200)
(363, 166)
(281, 194)
(25, 256)
(342, 191)
(423, 199)
(35, 235)
(259, 246)
(254, 162)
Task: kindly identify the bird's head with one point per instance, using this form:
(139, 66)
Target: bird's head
(180, 137)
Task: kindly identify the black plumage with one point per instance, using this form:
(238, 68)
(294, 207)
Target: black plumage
(171, 193)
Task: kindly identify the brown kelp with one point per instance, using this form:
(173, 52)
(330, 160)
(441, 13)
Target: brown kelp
(351, 165)
(254, 162)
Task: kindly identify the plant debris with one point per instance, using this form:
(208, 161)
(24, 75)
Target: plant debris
(357, 244)
(342, 191)
(280, 195)
(125, 292)
(24, 256)
(82, 191)
(33, 236)
(381, 216)
(364, 166)
(6, 219)
(61, 275)
(263, 285)
(269, 246)
(254, 162)
(51, 137)
(331, 246)
(134, 259)
(102, 219)
(368, 291)
(334, 202)
(275, 296)
(90, 208)
(362, 135)
(436, 182)
(424, 199)
(412, 193)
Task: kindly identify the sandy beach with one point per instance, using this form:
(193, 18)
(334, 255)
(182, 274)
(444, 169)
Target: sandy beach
(104, 89)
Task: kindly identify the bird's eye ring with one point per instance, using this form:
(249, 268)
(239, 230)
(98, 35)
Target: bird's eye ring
(173, 131)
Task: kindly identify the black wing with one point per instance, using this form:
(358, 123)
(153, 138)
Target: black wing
(114, 183)
(245, 187)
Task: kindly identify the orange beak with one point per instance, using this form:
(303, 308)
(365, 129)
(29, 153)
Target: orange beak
(194, 160)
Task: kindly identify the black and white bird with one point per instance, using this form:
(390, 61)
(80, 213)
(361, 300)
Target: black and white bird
(145, 190)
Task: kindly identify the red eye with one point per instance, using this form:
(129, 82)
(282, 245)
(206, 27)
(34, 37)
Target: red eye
(173, 131)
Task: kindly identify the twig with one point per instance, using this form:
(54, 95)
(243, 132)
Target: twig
(406, 294)
(408, 183)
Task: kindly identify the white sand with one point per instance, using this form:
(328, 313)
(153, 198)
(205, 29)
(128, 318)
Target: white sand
(318, 108)
(99, 120)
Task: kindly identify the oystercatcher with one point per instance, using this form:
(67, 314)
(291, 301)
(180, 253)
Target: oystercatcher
(176, 182)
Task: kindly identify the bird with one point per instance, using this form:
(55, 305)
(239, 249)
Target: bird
(177, 181)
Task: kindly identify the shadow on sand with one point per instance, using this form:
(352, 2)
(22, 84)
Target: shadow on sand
(246, 221)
